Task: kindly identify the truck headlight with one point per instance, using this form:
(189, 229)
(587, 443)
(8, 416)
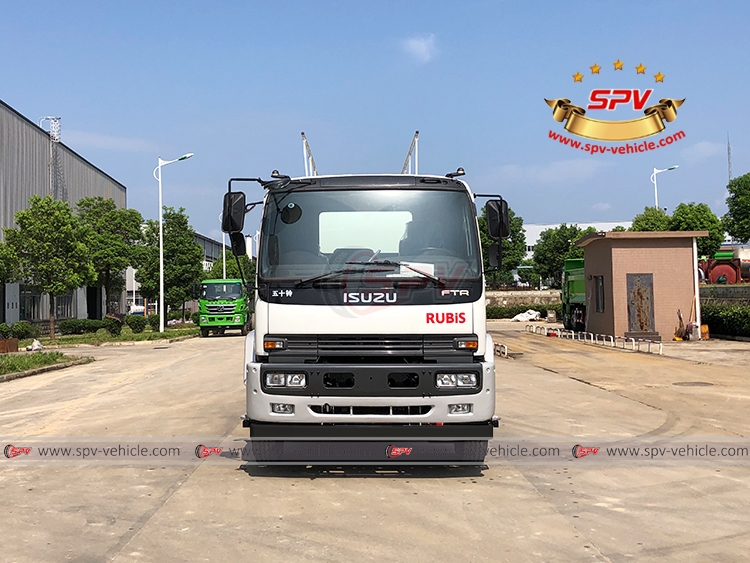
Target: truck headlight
(282, 408)
(275, 380)
(296, 380)
(237, 319)
(461, 408)
(466, 379)
(445, 380)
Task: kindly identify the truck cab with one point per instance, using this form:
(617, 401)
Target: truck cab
(370, 324)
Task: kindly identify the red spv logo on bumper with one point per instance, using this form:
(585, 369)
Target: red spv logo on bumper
(446, 318)
(395, 451)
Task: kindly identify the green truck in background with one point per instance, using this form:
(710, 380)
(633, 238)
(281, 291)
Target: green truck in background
(222, 305)
(574, 295)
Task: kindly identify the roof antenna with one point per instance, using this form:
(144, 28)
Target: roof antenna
(413, 151)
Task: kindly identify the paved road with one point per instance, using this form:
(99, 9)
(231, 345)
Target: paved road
(511, 512)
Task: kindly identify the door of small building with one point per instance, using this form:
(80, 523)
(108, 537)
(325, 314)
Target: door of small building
(641, 303)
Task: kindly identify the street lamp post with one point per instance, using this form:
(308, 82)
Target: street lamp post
(157, 175)
(653, 180)
(223, 248)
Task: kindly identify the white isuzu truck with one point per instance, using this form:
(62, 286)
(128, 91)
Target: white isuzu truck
(369, 341)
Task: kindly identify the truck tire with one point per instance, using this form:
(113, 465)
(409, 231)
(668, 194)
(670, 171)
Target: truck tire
(204, 332)
(244, 330)
(267, 450)
(472, 451)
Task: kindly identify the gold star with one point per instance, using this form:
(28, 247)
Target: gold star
(640, 69)
(578, 77)
(618, 64)
(659, 77)
(595, 69)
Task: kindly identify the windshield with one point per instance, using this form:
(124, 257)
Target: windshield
(215, 291)
(307, 233)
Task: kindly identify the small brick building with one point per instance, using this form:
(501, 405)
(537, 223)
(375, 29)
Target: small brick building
(636, 282)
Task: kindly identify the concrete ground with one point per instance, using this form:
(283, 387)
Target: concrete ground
(566, 511)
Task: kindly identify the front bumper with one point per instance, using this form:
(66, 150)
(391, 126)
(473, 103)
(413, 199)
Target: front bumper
(376, 403)
(222, 321)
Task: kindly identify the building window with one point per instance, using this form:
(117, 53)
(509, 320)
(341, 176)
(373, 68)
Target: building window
(29, 304)
(64, 306)
(599, 293)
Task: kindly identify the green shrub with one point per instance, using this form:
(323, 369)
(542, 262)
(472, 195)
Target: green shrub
(196, 318)
(79, 326)
(137, 323)
(70, 326)
(175, 315)
(113, 326)
(494, 312)
(153, 322)
(727, 320)
(91, 325)
(24, 330)
(5, 330)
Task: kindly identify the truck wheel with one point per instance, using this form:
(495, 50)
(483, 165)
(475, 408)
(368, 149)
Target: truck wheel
(474, 450)
(204, 332)
(267, 450)
(244, 330)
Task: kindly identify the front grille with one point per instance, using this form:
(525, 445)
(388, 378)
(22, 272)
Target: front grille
(220, 309)
(411, 410)
(311, 346)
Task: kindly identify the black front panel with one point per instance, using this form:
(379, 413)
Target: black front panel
(357, 380)
(357, 293)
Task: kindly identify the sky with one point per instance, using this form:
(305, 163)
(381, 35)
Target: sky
(236, 82)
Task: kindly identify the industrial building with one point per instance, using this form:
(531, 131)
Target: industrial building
(33, 161)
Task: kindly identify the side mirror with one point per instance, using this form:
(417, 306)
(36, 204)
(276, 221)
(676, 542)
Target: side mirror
(498, 223)
(233, 212)
(493, 255)
(237, 240)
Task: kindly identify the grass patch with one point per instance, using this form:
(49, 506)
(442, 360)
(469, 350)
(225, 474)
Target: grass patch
(127, 335)
(12, 363)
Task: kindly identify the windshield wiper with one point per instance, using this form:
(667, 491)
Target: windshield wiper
(341, 272)
(394, 265)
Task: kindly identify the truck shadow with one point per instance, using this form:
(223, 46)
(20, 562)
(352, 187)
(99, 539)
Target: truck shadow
(364, 471)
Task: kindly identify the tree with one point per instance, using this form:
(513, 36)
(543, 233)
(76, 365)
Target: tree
(113, 235)
(183, 259)
(699, 217)
(619, 229)
(513, 248)
(8, 263)
(554, 247)
(248, 268)
(49, 247)
(737, 219)
(652, 219)
(529, 275)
